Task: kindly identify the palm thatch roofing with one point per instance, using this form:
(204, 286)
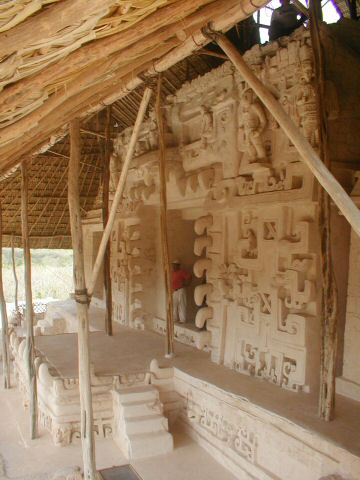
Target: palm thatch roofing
(66, 59)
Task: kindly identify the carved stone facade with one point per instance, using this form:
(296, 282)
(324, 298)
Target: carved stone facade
(233, 173)
(133, 259)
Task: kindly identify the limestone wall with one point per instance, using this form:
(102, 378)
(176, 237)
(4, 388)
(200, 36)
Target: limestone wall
(349, 383)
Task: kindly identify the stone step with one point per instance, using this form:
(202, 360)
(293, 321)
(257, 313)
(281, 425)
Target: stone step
(143, 393)
(146, 424)
(141, 407)
(150, 444)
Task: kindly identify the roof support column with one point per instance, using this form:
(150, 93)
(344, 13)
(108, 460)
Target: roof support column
(29, 314)
(163, 226)
(329, 310)
(82, 305)
(4, 321)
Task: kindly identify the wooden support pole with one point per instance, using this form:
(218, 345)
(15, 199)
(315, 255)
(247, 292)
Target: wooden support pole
(29, 314)
(105, 212)
(91, 132)
(307, 153)
(329, 312)
(4, 321)
(16, 281)
(163, 226)
(119, 191)
(81, 298)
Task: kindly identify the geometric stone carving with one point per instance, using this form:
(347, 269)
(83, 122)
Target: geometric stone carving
(202, 315)
(251, 123)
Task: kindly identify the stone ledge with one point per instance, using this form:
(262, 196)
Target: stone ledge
(186, 333)
(348, 388)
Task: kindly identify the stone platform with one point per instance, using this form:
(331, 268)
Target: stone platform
(244, 422)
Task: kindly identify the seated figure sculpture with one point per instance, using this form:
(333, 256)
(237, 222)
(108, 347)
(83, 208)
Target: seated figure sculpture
(251, 123)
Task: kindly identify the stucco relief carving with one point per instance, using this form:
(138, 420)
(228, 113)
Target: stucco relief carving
(235, 436)
(134, 261)
(228, 159)
(270, 291)
(202, 267)
(252, 122)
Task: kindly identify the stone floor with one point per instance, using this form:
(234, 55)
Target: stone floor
(132, 350)
(25, 459)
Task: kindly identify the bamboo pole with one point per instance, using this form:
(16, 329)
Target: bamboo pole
(163, 226)
(81, 298)
(307, 153)
(107, 256)
(328, 346)
(16, 281)
(119, 191)
(29, 314)
(4, 321)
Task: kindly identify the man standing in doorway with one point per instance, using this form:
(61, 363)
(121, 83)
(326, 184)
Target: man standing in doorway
(180, 280)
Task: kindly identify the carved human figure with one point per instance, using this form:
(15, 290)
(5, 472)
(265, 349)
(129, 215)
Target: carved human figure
(306, 105)
(207, 126)
(251, 123)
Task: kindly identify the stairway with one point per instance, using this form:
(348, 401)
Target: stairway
(140, 428)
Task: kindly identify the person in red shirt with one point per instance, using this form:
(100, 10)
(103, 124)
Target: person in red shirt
(180, 280)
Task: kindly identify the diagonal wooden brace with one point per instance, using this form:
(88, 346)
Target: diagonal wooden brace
(308, 154)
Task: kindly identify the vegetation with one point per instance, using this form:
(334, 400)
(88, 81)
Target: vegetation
(52, 274)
